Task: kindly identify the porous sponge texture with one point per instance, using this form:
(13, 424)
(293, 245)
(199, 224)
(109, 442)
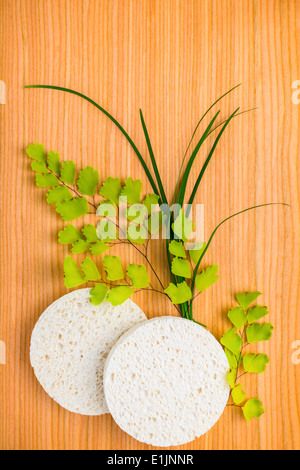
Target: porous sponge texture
(165, 381)
(69, 346)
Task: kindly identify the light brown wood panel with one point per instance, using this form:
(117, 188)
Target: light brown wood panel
(172, 59)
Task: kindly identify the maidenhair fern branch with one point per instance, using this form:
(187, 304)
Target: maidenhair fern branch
(245, 330)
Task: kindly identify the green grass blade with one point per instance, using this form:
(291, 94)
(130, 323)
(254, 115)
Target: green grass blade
(209, 133)
(134, 147)
(192, 197)
(213, 233)
(153, 161)
(236, 115)
(195, 130)
(192, 159)
(185, 309)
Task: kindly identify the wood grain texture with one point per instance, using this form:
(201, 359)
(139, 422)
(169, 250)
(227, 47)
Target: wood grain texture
(172, 59)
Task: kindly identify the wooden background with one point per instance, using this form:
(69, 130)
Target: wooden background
(172, 58)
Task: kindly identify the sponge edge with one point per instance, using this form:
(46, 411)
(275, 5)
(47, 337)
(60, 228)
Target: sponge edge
(69, 346)
(165, 381)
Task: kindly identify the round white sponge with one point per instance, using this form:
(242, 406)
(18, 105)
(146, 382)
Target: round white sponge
(69, 346)
(165, 381)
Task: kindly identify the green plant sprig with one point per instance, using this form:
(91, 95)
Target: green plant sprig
(246, 330)
(74, 197)
(181, 290)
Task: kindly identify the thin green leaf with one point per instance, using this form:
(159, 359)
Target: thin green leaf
(169, 260)
(193, 194)
(192, 159)
(134, 147)
(236, 115)
(153, 161)
(194, 132)
(218, 226)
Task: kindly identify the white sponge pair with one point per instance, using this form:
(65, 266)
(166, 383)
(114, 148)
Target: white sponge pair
(69, 346)
(164, 379)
